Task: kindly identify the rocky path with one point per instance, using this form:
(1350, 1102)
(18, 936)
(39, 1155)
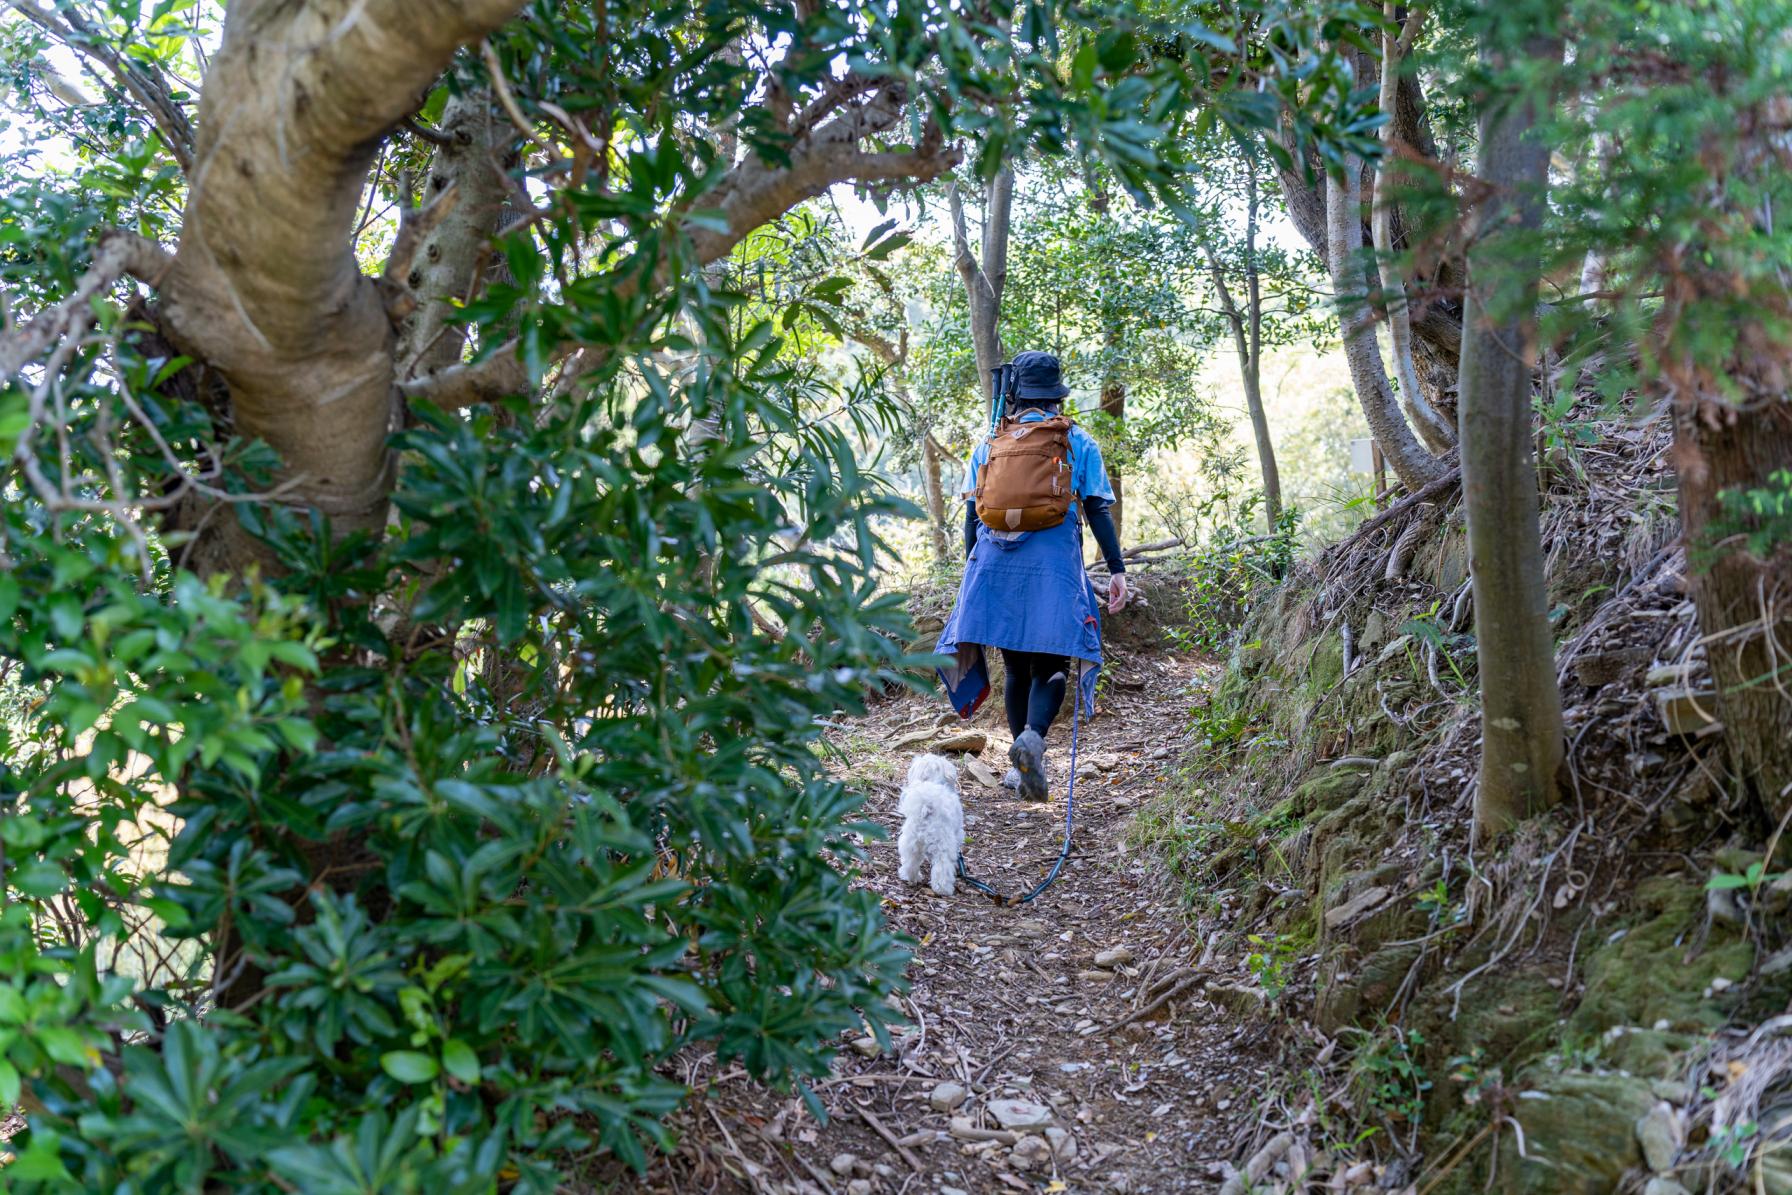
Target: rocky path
(1079, 1043)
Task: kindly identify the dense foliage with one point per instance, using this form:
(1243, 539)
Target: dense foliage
(406, 861)
(581, 797)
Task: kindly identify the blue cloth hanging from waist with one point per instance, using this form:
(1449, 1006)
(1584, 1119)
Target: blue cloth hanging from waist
(1023, 592)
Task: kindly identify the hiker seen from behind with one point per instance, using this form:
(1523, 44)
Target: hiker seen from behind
(1030, 487)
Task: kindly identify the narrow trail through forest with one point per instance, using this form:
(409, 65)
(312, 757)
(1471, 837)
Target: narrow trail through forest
(1078, 1043)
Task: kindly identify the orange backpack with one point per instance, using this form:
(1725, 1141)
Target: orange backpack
(1025, 483)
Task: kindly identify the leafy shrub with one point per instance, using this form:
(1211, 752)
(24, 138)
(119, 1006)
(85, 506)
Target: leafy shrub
(1390, 1073)
(1231, 570)
(1271, 960)
(559, 792)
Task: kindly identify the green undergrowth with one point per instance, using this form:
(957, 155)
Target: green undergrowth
(1551, 982)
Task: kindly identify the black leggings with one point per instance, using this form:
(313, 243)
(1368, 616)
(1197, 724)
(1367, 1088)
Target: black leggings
(1034, 690)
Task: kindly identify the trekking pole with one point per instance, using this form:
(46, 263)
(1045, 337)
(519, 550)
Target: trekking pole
(1001, 380)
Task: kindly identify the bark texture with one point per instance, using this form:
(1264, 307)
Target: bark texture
(1744, 601)
(1594, 274)
(467, 168)
(264, 287)
(1344, 244)
(1436, 281)
(931, 457)
(1437, 435)
(1521, 706)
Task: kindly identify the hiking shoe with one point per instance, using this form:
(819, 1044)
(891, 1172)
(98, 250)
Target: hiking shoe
(1028, 757)
(1012, 779)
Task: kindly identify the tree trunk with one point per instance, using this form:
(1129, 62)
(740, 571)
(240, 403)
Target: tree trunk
(1437, 435)
(1593, 272)
(1113, 405)
(1344, 243)
(1521, 706)
(457, 250)
(1744, 601)
(938, 532)
(1251, 357)
(1266, 451)
(1436, 322)
(894, 355)
(1732, 435)
(265, 288)
(985, 279)
(1247, 339)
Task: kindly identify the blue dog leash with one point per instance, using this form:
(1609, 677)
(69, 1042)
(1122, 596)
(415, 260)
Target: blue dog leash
(1076, 709)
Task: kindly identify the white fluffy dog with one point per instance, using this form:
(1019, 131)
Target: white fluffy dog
(932, 823)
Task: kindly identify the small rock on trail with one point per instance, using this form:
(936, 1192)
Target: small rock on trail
(965, 742)
(980, 774)
(1660, 1134)
(1030, 1153)
(946, 1097)
(1020, 1115)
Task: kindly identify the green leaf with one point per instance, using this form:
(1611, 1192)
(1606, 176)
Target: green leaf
(9, 1086)
(172, 914)
(300, 735)
(295, 655)
(39, 1162)
(434, 105)
(64, 1045)
(888, 245)
(38, 879)
(408, 1066)
(1082, 67)
(459, 1060)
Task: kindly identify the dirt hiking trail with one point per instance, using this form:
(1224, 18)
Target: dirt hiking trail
(1078, 1043)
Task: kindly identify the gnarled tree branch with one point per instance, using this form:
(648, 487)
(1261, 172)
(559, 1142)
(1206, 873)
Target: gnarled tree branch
(265, 286)
(752, 194)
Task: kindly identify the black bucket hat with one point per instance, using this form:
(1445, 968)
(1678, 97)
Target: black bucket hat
(1038, 376)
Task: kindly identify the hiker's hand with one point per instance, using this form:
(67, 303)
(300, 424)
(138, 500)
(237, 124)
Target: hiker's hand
(1117, 594)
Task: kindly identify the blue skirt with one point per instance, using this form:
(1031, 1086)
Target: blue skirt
(1023, 591)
